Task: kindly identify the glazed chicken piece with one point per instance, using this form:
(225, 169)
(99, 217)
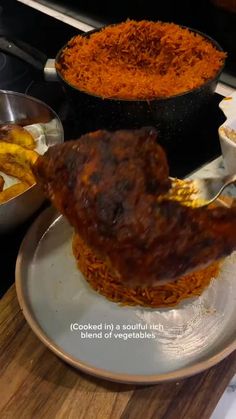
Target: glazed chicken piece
(109, 185)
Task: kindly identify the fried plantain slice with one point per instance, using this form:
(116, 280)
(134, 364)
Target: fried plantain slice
(2, 181)
(14, 153)
(12, 191)
(16, 170)
(15, 134)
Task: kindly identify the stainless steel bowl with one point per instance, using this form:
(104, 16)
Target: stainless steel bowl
(25, 110)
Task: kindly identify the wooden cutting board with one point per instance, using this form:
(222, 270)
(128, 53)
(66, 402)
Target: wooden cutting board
(34, 383)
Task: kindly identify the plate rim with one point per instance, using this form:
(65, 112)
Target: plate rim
(138, 379)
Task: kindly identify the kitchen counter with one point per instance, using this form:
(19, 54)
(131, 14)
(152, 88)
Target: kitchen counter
(36, 384)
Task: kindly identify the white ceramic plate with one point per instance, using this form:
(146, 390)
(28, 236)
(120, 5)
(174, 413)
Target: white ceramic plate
(57, 302)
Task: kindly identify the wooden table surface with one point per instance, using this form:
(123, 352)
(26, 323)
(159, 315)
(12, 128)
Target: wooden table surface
(34, 383)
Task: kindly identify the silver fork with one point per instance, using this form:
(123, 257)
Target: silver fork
(200, 192)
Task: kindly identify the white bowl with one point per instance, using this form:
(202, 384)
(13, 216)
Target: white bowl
(227, 133)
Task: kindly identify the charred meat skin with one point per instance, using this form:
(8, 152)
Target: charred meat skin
(107, 185)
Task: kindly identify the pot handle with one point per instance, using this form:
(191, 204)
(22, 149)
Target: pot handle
(50, 72)
(24, 52)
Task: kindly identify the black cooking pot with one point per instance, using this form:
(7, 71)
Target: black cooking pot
(174, 117)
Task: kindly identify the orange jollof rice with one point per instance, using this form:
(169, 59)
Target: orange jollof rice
(101, 278)
(140, 60)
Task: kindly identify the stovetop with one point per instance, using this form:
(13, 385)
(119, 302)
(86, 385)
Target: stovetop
(49, 35)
